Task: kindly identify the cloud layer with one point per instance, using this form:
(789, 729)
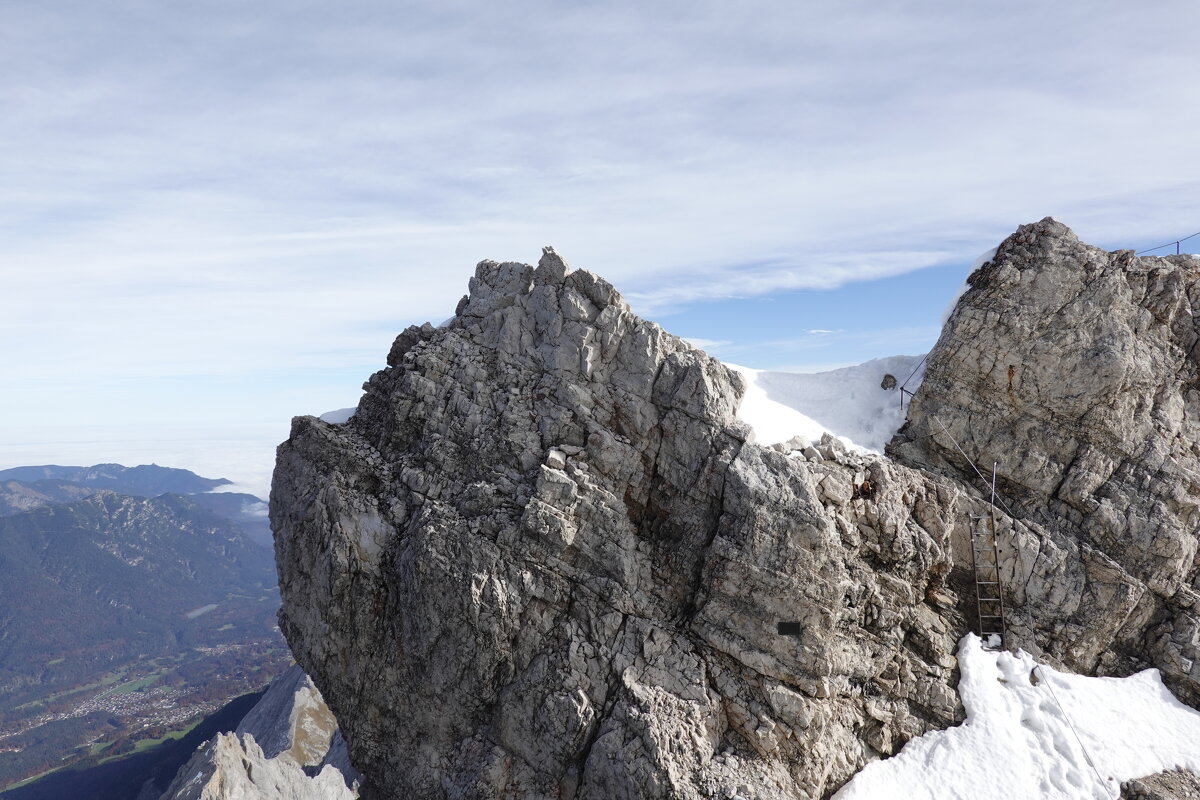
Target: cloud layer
(208, 198)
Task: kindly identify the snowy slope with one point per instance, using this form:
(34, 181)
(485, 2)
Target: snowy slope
(1032, 731)
(848, 403)
(286, 748)
(338, 417)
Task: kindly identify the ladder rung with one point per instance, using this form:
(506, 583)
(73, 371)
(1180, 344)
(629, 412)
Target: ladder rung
(985, 552)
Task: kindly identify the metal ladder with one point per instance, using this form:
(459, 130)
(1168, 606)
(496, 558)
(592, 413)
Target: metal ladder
(985, 560)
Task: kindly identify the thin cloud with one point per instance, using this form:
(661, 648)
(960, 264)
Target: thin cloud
(216, 191)
(818, 271)
(708, 345)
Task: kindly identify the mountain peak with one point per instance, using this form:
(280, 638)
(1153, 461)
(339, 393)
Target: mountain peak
(545, 553)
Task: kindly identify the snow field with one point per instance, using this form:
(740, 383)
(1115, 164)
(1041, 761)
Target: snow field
(339, 417)
(848, 403)
(1019, 742)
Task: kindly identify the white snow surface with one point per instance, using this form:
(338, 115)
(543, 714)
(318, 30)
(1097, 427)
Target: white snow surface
(1022, 740)
(338, 417)
(848, 403)
(979, 262)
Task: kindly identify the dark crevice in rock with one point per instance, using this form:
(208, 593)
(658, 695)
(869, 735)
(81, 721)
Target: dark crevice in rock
(692, 606)
(597, 727)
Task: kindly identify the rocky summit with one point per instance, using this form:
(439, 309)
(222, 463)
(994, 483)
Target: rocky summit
(545, 559)
(1077, 373)
(286, 748)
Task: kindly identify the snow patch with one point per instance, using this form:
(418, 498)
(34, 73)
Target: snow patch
(1032, 731)
(979, 262)
(848, 403)
(339, 417)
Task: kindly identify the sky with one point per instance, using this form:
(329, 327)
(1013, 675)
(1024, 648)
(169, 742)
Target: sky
(217, 214)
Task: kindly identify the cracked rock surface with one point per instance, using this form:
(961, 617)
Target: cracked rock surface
(545, 560)
(1174, 785)
(1077, 371)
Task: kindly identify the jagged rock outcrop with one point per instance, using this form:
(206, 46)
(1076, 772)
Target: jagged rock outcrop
(1174, 785)
(1077, 371)
(544, 559)
(287, 747)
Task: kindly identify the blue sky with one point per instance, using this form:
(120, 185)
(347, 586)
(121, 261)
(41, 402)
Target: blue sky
(217, 214)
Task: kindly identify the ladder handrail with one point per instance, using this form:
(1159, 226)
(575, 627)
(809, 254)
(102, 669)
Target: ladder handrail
(996, 556)
(985, 565)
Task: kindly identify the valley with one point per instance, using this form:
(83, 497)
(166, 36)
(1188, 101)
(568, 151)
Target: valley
(125, 620)
(131, 708)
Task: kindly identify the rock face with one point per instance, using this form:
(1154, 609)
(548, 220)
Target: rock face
(1077, 371)
(286, 748)
(1164, 786)
(545, 560)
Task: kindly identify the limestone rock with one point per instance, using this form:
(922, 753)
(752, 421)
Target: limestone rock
(233, 767)
(1174, 785)
(543, 560)
(542, 555)
(1077, 372)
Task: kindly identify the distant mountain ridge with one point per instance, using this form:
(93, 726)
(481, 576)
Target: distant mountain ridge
(82, 579)
(28, 488)
(144, 480)
(17, 497)
(132, 600)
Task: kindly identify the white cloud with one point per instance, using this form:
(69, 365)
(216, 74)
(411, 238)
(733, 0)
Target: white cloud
(710, 345)
(241, 453)
(230, 190)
